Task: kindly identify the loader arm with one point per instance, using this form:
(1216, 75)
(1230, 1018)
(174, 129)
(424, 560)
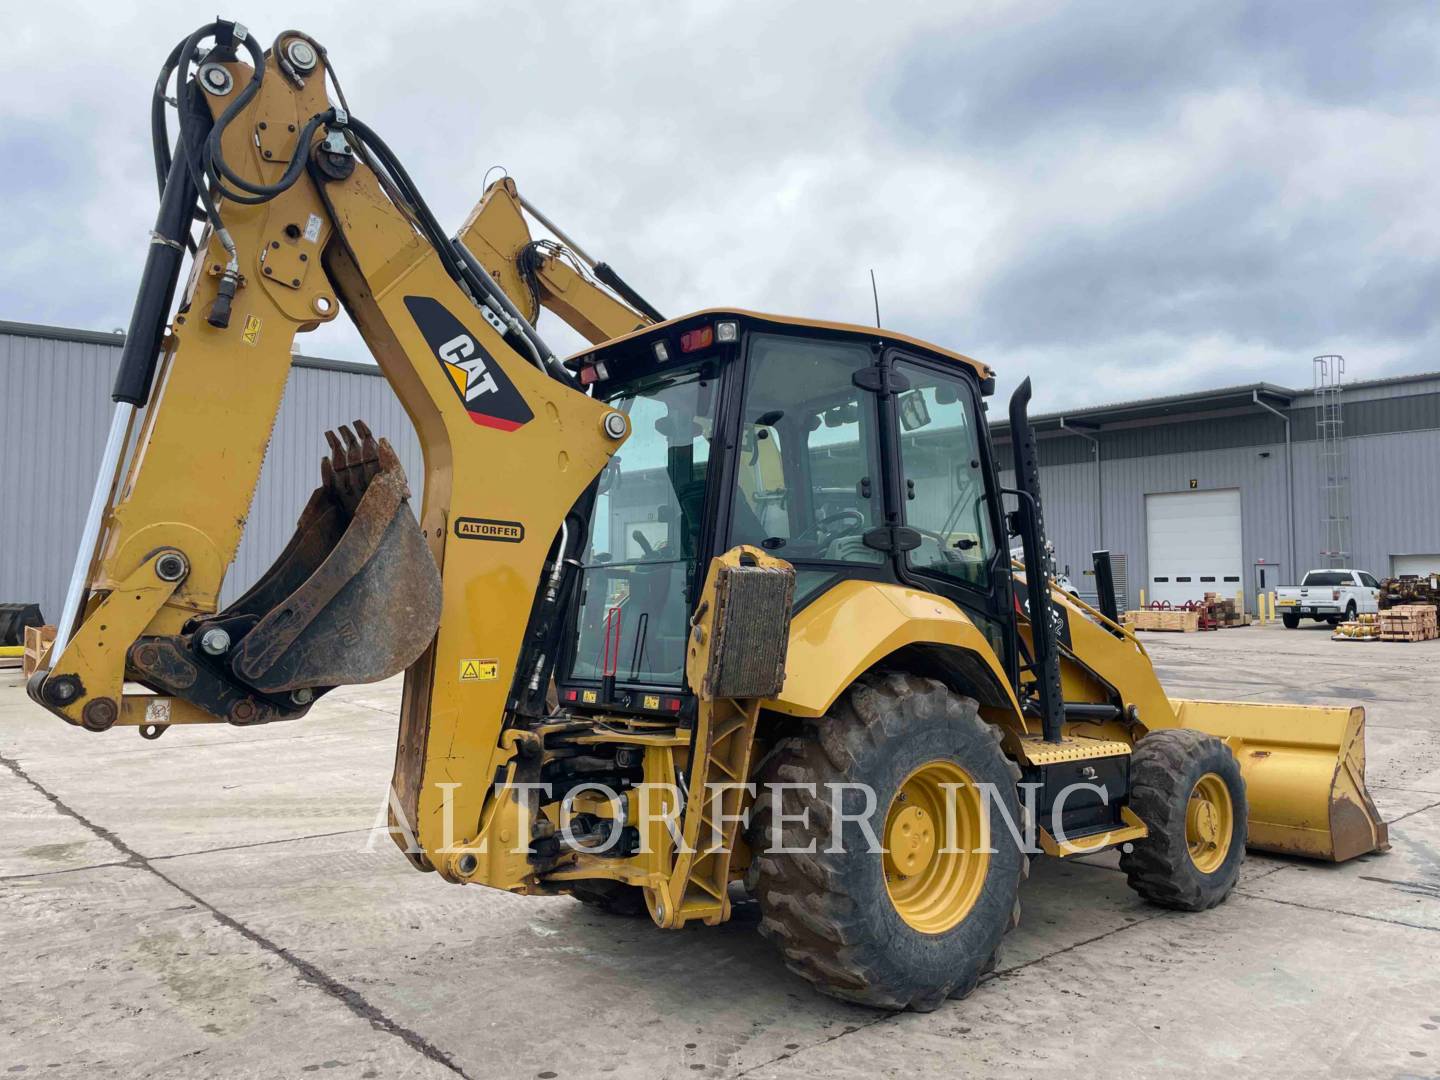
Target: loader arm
(1304, 765)
(310, 212)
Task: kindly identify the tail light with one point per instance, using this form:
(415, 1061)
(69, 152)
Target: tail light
(701, 338)
(1334, 594)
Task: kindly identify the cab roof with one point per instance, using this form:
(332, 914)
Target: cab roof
(982, 371)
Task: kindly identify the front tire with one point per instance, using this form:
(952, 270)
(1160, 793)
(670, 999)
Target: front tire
(1186, 786)
(914, 923)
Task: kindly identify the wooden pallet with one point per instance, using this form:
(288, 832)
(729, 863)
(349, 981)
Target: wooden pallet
(1409, 622)
(38, 640)
(1173, 621)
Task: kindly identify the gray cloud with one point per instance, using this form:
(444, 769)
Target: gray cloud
(1152, 195)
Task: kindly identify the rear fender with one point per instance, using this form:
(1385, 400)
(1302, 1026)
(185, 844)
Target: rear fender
(858, 624)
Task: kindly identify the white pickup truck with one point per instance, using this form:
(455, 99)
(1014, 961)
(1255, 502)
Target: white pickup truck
(1328, 596)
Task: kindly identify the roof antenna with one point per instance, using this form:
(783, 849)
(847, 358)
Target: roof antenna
(876, 294)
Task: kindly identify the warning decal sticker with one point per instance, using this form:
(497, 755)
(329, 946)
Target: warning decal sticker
(479, 670)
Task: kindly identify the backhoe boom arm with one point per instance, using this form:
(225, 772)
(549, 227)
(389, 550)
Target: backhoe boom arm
(311, 213)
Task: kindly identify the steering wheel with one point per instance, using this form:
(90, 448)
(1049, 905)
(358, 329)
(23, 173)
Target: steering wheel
(855, 517)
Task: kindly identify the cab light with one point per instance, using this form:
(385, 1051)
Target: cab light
(702, 338)
(592, 373)
(727, 331)
(672, 704)
(661, 352)
(572, 695)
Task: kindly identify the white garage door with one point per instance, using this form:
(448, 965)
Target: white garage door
(1419, 565)
(1193, 545)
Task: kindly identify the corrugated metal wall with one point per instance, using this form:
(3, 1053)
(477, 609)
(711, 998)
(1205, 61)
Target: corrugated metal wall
(1395, 502)
(54, 415)
(55, 408)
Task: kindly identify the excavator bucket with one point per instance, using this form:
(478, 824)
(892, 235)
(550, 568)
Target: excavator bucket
(1304, 769)
(355, 596)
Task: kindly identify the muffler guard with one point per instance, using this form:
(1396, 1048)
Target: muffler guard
(1304, 769)
(355, 596)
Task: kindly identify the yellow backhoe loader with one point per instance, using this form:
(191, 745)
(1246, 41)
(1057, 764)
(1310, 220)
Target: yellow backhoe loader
(724, 598)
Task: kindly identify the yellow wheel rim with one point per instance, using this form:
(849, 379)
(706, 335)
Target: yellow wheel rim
(934, 835)
(1209, 823)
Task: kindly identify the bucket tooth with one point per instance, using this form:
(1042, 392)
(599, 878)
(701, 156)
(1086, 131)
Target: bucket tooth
(355, 597)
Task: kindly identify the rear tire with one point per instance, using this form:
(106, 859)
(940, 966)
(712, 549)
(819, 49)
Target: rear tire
(1292, 622)
(1186, 786)
(611, 897)
(850, 922)
(1350, 611)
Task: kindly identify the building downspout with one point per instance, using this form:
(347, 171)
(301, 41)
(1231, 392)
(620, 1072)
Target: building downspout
(1289, 481)
(1099, 478)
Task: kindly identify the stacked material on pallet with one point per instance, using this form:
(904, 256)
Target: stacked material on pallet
(1411, 589)
(1222, 611)
(1362, 628)
(1177, 620)
(1409, 622)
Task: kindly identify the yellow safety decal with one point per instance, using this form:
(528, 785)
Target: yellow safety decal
(652, 701)
(589, 697)
(479, 670)
(251, 333)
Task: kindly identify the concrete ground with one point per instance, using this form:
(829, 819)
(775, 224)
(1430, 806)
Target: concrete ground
(213, 904)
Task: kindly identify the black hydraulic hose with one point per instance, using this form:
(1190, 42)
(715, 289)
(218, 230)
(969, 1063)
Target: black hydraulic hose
(141, 352)
(606, 273)
(428, 225)
(456, 260)
(263, 193)
(159, 137)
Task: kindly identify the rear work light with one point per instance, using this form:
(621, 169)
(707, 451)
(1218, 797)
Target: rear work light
(727, 331)
(701, 338)
(591, 373)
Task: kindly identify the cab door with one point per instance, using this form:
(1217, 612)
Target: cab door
(947, 495)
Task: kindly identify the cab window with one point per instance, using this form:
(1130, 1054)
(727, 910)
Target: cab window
(807, 482)
(943, 482)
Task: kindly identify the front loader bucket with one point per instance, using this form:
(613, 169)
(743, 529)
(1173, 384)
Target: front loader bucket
(1304, 769)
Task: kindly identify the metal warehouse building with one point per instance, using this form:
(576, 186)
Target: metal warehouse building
(1229, 490)
(1246, 487)
(54, 416)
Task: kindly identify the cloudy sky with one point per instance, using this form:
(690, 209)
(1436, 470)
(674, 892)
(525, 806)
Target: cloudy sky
(1118, 199)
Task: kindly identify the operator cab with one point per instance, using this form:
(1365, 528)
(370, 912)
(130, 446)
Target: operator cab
(849, 452)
